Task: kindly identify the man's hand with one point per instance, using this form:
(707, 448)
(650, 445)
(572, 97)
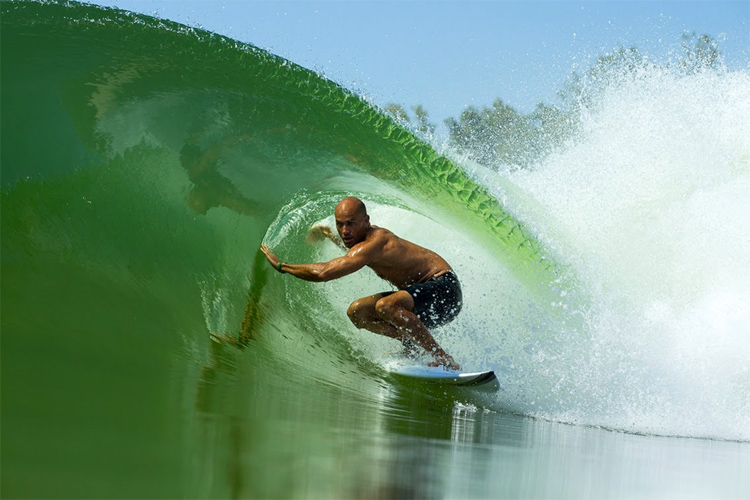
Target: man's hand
(270, 256)
(319, 232)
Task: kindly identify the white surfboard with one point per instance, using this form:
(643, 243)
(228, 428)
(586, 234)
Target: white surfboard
(485, 381)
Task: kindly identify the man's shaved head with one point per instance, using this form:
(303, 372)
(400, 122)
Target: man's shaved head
(351, 204)
(352, 221)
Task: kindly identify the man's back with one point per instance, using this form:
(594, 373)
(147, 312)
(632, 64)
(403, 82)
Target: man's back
(400, 261)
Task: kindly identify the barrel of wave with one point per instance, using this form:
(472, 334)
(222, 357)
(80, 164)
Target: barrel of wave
(484, 336)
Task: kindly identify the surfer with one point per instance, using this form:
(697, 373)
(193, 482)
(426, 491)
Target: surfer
(428, 295)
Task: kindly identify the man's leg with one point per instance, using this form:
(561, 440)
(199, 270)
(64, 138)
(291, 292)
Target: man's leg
(362, 313)
(396, 310)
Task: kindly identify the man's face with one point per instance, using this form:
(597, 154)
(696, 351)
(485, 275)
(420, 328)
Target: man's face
(351, 224)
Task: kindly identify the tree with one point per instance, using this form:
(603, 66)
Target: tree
(495, 136)
(398, 112)
(421, 121)
(699, 52)
(499, 136)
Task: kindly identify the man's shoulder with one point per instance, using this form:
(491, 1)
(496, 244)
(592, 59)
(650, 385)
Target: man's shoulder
(380, 235)
(375, 241)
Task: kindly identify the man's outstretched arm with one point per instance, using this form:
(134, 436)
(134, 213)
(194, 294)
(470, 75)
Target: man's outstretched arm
(356, 259)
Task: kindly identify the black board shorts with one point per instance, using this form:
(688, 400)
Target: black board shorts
(437, 301)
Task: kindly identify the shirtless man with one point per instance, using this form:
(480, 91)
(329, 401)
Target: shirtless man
(428, 295)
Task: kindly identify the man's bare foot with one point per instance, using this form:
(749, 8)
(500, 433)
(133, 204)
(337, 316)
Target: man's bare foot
(447, 361)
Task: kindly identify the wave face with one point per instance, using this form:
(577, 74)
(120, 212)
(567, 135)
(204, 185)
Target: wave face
(143, 163)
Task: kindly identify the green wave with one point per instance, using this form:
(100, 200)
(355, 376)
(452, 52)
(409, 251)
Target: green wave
(150, 158)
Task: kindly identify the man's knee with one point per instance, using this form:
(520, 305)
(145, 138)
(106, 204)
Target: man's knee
(389, 310)
(384, 309)
(390, 306)
(357, 313)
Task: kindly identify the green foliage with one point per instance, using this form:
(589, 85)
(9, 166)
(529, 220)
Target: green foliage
(500, 137)
(493, 136)
(398, 112)
(421, 121)
(699, 52)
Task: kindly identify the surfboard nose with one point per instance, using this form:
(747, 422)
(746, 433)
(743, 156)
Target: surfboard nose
(484, 380)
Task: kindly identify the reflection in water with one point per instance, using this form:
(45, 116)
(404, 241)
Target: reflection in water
(211, 188)
(265, 433)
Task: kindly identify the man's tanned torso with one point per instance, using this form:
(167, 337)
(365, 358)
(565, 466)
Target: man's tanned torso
(399, 261)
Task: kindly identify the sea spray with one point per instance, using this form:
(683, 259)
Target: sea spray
(650, 204)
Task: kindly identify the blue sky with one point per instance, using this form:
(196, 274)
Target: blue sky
(447, 55)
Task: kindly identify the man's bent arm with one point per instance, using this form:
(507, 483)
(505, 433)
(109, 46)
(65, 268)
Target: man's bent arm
(323, 271)
(320, 271)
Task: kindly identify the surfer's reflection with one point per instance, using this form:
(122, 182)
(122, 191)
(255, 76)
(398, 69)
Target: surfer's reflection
(253, 317)
(211, 188)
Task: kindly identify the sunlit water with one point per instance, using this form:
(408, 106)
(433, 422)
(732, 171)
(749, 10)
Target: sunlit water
(139, 179)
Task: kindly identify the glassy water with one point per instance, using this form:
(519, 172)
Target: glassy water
(144, 162)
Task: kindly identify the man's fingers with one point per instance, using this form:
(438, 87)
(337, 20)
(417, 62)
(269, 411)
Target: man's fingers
(270, 257)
